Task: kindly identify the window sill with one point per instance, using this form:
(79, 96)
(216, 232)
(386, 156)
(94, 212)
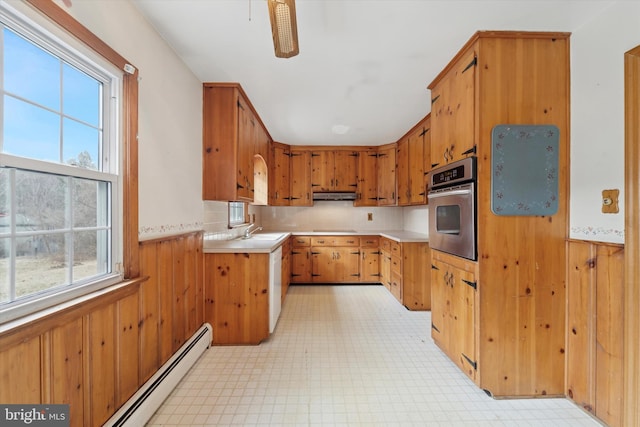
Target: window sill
(46, 319)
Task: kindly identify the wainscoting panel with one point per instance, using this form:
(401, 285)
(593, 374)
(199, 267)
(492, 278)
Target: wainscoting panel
(595, 307)
(94, 355)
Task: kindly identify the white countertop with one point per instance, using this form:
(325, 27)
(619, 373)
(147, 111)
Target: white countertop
(269, 241)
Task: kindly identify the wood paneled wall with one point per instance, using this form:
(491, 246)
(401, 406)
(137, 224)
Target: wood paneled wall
(632, 236)
(595, 321)
(96, 354)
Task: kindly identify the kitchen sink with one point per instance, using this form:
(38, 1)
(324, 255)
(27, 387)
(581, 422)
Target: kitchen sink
(263, 236)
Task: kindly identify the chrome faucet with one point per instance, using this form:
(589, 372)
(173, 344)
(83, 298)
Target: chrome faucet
(248, 232)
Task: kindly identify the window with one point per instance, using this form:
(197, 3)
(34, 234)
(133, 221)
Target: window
(237, 214)
(59, 182)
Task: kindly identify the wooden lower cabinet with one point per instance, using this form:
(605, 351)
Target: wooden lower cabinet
(370, 259)
(335, 259)
(404, 270)
(300, 259)
(335, 264)
(237, 302)
(453, 311)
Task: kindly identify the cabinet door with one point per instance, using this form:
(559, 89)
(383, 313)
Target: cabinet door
(453, 113)
(415, 163)
(440, 304)
(369, 265)
(335, 264)
(367, 179)
(387, 176)
(301, 265)
(385, 269)
(462, 321)
(463, 142)
(246, 135)
(426, 164)
(300, 178)
(345, 167)
(403, 173)
(322, 174)
(279, 190)
(322, 264)
(452, 314)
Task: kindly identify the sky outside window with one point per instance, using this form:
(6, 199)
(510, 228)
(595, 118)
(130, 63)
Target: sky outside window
(52, 110)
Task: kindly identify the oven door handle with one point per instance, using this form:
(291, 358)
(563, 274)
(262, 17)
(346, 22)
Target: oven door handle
(460, 192)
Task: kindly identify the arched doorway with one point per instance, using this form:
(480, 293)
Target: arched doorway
(632, 239)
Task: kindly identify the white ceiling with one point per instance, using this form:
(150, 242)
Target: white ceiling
(364, 64)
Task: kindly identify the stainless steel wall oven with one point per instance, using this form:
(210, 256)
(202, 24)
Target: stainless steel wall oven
(452, 208)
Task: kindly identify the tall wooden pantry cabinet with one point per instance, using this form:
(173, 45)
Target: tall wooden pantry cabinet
(502, 318)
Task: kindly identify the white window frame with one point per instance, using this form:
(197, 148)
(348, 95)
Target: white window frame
(25, 21)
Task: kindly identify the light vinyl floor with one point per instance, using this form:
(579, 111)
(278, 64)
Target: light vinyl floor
(346, 356)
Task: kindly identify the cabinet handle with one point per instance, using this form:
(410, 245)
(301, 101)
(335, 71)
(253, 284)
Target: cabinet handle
(446, 154)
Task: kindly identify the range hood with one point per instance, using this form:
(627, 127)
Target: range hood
(334, 196)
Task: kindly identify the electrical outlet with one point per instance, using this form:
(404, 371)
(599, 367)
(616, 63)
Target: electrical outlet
(610, 201)
(370, 216)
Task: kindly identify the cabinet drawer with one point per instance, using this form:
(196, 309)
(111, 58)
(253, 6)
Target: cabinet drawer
(385, 244)
(396, 265)
(300, 241)
(335, 241)
(369, 242)
(396, 248)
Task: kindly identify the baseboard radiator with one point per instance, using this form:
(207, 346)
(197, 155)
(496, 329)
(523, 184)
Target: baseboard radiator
(143, 404)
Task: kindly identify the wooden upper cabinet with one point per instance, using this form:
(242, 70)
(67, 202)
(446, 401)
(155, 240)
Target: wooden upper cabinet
(367, 178)
(334, 170)
(300, 167)
(345, 170)
(232, 135)
(387, 175)
(418, 152)
(453, 106)
(402, 171)
(279, 175)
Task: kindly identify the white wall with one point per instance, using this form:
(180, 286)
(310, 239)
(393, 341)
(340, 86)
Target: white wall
(170, 117)
(330, 215)
(597, 119)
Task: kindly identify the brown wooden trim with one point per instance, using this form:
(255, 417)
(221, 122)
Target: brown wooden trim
(27, 329)
(131, 255)
(591, 242)
(129, 130)
(631, 397)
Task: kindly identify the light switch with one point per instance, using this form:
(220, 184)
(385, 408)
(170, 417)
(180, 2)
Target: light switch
(610, 201)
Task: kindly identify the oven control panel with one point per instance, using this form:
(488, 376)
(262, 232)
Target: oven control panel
(454, 173)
